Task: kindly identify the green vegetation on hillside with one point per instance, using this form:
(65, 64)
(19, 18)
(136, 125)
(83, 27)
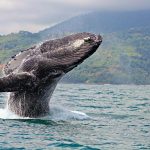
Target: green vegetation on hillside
(123, 57)
(12, 43)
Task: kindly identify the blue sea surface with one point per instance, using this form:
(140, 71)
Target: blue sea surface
(83, 117)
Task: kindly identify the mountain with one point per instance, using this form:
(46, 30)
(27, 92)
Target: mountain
(100, 22)
(123, 57)
(12, 43)
(96, 22)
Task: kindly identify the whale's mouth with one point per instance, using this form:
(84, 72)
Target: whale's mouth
(68, 52)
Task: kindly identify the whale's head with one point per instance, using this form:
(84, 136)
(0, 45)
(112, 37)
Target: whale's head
(68, 52)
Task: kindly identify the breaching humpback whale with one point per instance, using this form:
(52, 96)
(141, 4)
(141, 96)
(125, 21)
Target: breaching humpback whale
(32, 75)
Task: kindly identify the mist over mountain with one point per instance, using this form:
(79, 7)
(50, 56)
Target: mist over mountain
(123, 57)
(100, 22)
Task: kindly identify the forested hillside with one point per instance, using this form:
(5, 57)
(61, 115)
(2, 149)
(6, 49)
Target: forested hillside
(123, 57)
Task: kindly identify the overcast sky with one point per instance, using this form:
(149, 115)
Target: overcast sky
(35, 15)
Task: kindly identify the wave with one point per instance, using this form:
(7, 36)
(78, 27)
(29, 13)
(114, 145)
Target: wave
(56, 113)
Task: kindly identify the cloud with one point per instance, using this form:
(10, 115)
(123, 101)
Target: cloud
(34, 15)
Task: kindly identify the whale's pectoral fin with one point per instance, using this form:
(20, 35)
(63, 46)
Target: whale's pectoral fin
(17, 82)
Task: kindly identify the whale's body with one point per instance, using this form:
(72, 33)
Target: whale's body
(32, 75)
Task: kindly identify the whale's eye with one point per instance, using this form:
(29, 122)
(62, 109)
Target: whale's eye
(88, 39)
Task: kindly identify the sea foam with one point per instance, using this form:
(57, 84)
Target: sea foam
(56, 113)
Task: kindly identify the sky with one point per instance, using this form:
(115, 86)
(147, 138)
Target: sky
(35, 15)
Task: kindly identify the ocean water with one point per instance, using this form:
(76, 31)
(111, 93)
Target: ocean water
(85, 117)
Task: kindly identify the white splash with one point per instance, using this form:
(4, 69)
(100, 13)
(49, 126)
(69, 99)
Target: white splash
(6, 114)
(56, 114)
(59, 113)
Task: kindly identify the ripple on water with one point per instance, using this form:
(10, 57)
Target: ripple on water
(119, 119)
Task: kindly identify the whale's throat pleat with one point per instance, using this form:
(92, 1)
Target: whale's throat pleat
(32, 104)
